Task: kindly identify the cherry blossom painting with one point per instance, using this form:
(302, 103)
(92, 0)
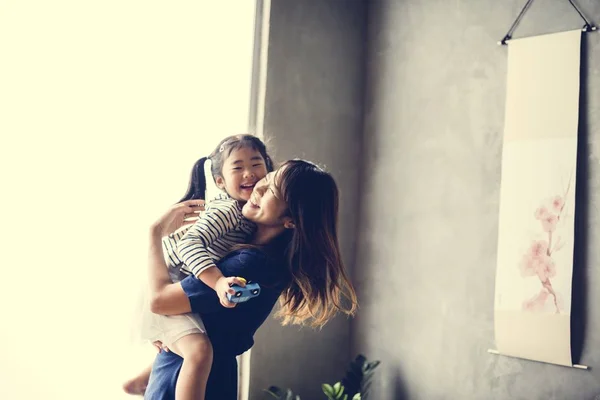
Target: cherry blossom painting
(538, 261)
(534, 268)
(536, 228)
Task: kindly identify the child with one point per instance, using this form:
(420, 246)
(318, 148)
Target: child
(237, 164)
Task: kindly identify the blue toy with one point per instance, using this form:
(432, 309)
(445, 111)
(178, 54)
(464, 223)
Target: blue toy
(243, 294)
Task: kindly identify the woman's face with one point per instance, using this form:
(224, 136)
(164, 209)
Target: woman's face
(266, 205)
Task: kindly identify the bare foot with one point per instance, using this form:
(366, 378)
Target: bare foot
(137, 385)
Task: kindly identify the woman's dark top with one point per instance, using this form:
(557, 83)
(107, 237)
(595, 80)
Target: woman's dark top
(231, 330)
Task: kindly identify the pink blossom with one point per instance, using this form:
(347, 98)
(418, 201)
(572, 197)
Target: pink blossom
(544, 302)
(557, 203)
(542, 266)
(537, 261)
(541, 212)
(527, 266)
(549, 223)
(538, 248)
(545, 268)
(537, 302)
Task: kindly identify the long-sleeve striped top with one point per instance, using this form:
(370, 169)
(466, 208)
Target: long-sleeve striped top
(218, 229)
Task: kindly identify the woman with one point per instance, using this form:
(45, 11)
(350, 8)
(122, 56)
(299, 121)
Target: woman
(294, 256)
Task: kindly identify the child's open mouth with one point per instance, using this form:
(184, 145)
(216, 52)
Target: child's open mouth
(247, 187)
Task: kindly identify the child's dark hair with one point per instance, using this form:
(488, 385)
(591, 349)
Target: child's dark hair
(197, 186)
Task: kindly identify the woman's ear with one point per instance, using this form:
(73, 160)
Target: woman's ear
(289, 224)
(220, 182)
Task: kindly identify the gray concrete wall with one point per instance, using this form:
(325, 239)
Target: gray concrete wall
(313, 110)
(426, 257)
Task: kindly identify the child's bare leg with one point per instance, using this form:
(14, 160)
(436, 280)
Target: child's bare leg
(137, 385)
(197, 354)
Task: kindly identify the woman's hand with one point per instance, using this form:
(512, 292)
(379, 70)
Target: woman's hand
(179, 215)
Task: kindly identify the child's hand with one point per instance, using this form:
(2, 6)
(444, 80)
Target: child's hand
(223, 286)
(160, 346)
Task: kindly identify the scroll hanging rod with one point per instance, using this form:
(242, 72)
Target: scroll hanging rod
(588, 27)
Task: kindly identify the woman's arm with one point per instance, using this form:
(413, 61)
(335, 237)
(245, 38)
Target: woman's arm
(166, 297)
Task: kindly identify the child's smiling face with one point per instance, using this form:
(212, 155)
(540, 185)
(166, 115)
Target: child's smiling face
(241, 170)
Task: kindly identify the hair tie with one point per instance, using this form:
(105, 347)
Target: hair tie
(222, 148)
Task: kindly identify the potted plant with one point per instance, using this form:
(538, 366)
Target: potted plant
(355, 385)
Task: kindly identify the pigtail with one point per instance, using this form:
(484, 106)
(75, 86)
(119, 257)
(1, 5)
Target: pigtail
(197, 186)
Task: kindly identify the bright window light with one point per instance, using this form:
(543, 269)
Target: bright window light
(104, 108)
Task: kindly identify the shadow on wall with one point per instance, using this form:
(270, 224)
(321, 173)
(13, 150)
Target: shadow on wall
(579, 307)
(399, 388)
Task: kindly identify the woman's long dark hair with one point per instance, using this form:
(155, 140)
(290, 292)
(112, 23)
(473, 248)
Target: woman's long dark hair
(197, 185)
(319, 285)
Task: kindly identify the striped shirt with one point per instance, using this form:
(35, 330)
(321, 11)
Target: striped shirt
(197, 247)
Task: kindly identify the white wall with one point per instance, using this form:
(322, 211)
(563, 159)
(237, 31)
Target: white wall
(104, 107)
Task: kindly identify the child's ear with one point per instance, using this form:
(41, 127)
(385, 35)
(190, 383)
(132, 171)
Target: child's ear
(220, 182)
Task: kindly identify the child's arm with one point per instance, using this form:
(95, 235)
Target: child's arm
(251, 264)
(219, 219)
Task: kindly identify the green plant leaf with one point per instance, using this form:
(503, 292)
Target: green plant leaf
(338, 389)
(358, 376)
(328, 390)
(355, 385)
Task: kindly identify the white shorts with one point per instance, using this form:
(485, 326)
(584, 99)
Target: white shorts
(167, 328)
(170, 328)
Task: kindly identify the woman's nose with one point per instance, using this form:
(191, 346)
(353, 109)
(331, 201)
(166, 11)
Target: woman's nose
(260, 187)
